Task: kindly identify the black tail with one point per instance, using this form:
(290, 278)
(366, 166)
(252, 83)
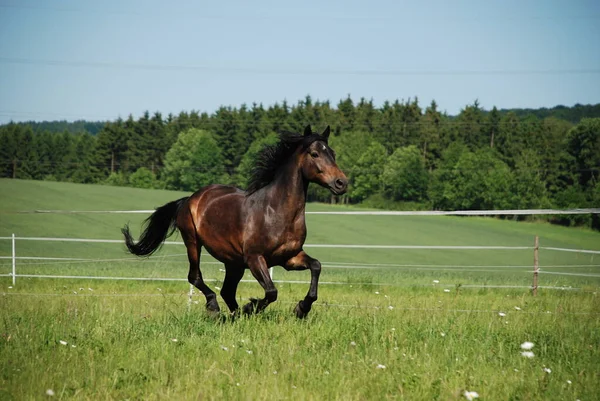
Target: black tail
(157, 228)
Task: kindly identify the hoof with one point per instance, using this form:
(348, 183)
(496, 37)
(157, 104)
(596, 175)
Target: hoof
(250, 307)
(212, 306)
(300, 313)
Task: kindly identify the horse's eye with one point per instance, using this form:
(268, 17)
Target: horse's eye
(314, 154)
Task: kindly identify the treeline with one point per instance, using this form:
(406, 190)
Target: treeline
(399, 155)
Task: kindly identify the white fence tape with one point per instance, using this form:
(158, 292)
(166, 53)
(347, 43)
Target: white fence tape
(365, 246)
(570, 250)
(512, 212)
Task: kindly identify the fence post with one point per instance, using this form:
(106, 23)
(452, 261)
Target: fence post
(190, 296)
(14, 261)
(536, 264)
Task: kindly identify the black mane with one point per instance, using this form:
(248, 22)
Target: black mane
(274, 156)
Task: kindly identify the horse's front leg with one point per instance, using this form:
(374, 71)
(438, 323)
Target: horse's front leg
(302, 262)
(259, 269)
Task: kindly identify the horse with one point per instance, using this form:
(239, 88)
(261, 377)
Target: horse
(255, 229)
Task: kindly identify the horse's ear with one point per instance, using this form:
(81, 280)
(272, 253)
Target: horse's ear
(307, 130)
(325, 133)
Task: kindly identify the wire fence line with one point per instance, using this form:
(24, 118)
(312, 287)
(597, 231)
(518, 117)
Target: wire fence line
(329, 265)
(340, 265)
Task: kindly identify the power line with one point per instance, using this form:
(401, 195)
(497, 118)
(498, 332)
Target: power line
(314, 16)
(292, 71)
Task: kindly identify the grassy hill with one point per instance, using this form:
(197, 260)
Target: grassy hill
(23, 198)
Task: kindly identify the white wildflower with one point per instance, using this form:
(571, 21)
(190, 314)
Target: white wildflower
(326, 372)
(73, 346)
(390, 307)
(393, 329)
(446, 290)
(443, 334)
(380, 366)
(377, 292)
(63, 342)
(249, 351)
(547, 370)
(569, 382)
(527, 345)
(471, 395)
(436, 281)
(50, 392)
(517, 308)
(501, 314)
(10, 287)
(352, 343)
(274, 372)
(527, 354)
(224, 348)
(174, 340)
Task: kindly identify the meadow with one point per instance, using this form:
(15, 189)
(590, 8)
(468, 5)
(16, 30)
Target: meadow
(389, 323)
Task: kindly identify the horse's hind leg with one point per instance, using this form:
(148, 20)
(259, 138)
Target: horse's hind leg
(195, 276)
(260, 271)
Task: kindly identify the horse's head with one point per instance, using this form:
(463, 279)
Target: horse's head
(318, 163)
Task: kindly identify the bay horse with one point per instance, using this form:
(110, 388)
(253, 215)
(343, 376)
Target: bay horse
(255, 229)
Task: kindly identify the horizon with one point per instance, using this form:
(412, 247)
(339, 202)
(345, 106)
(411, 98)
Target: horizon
(334, 107)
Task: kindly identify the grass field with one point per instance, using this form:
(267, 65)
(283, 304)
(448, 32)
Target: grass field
(385, 330)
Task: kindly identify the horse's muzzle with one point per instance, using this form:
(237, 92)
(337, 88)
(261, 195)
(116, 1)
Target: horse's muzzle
(339, 186)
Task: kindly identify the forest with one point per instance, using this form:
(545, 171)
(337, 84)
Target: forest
(400, 155)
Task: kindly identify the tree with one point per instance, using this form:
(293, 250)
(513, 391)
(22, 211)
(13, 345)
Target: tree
(83, 157)
(584, 146)
(470, 126)
(111, 147)
(474, 181)
(368, 171)
(429, 140)
(143, 178)
(193, 162)
(405, 176)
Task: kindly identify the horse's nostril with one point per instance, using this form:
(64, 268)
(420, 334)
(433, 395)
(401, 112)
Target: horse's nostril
(339, 183)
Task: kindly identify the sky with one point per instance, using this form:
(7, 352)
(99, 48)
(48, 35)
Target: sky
(96, 60)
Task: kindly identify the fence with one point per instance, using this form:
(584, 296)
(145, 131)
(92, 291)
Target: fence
(535, 248)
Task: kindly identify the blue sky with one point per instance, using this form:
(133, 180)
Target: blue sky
(100, 60)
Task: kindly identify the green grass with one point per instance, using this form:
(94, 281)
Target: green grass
(433, 344)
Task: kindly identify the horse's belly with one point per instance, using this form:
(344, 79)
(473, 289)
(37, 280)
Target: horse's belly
(284, 252)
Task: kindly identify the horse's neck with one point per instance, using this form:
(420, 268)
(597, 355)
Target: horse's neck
(287, 193)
